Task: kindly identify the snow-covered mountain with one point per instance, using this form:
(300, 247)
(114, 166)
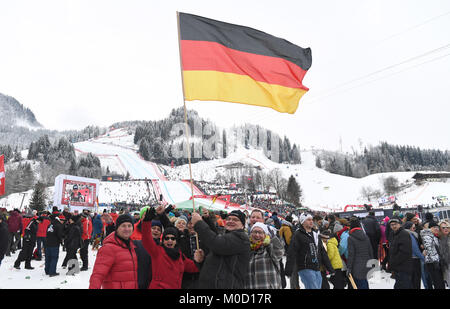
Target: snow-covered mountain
(12, 113)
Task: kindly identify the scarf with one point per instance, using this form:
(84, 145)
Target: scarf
(173, 253)
(254, 246)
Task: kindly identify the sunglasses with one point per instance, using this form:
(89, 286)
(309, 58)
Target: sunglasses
(170, 238)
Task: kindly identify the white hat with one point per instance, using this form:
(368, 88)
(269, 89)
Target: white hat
(304, 217)
(261, 226)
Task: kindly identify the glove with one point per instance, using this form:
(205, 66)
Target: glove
(169, 209)
(150, 214)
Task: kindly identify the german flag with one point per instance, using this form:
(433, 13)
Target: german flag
(231, 63)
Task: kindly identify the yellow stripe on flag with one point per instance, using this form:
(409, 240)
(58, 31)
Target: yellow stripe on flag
(236, 88)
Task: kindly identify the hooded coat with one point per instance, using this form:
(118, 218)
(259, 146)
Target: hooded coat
(115, 266)
(359, 253)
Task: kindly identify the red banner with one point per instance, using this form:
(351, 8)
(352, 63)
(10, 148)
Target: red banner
(2, 175)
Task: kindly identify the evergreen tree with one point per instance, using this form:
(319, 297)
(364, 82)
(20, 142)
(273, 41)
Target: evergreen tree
(38, 199)
(293, 191)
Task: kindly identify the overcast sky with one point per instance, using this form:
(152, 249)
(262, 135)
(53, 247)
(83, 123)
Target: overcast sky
(380, 69)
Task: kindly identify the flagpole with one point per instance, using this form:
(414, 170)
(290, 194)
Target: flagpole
(185, 119)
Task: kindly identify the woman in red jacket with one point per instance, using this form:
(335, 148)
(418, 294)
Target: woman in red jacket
(168, 263)
(116, 263)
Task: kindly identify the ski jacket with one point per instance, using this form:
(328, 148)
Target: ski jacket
(400, 252)
(333, 253)
(42, 227)
(114, 216)
(97, 225)
(86, 228)
(372, 228)
(15, 223)
(226, 265)
(359, 253)
(307, 253)
(166, 273)
(343, 243)
(431, 244)
(286, 233)
(54, 232)
(115, 266)
(73, 236)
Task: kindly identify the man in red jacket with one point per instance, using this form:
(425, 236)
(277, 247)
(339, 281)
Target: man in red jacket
(86, 232)
(41, 235)
(116, 263)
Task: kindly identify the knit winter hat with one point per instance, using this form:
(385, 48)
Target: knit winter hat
(432, 224)
(354, 223)
(304, 217)
(261, 226)
(157, 223)
(171, 231)
(239, 214)
(122, 219)
(408, 225)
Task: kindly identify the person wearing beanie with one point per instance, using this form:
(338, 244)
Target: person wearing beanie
(72, 240)
(168, 263)
(359, 253)
(307, 255)
(227, 263)
(53, 240)
(181, 223)
(263, 270)
(431, 245)
(417, 255)
(372, 230)
(400, 255)
(29, 241)
(116, 265)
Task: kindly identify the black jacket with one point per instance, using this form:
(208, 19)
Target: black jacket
(73, 239)
(400, 252)
(31, 231)
(144, 269)
(359, 253)
(4, 234)
(372, 229)
(306, 253)
(55, 232)
(226, 265)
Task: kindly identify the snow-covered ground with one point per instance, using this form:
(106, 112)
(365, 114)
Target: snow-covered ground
(12, 278)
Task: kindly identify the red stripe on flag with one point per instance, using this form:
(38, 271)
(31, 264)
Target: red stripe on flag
(212, 56)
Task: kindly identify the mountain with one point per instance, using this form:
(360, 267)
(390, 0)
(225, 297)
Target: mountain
(12, 113)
